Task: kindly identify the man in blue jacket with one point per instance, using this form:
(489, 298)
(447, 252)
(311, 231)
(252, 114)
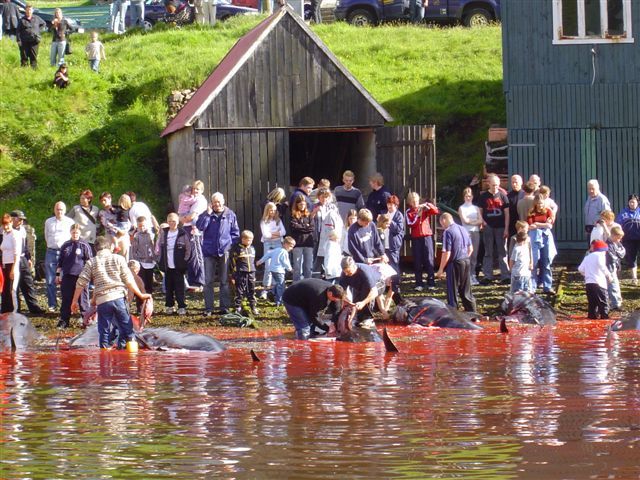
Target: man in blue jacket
(219, 227)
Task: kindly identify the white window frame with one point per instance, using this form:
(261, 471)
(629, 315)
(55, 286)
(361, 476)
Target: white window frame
(582, 37)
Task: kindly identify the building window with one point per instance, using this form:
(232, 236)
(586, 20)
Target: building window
(592, 21)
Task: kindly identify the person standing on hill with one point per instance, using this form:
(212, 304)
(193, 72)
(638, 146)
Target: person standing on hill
(29, 32)
(10, 19)
(95, 52)
(416, 10)
(59, 26)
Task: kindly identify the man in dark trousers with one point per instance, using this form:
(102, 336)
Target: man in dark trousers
(306, 299)
(30, 28)
(25, 284)
(494, 206)
(456, 250)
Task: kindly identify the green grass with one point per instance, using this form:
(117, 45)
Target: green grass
(103, 131)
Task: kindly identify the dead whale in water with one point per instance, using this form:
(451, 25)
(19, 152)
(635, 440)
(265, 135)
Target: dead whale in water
(364, 332)
(18, 333)
(631, 321)
(525, 307)
(155, 339)
(431, 312)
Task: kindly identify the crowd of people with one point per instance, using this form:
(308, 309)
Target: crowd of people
(337, 245)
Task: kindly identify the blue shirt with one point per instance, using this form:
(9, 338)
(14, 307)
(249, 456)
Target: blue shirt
(377, 201)
(73, 256)
(219, 232)
(457, 241)
(361, 282)
(364, 242)
(279, 260)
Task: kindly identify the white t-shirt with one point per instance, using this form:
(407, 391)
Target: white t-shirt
(11, 247)
(472, 213)
(521, 256)
(139, 209)
(171, 245)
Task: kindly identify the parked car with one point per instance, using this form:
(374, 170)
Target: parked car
(154, 11)
(471, 13)
(74, 25)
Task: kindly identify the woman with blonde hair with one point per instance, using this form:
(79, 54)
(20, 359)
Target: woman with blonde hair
(273, 232)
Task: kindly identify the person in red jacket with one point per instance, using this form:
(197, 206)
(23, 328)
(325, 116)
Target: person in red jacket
(417, 216)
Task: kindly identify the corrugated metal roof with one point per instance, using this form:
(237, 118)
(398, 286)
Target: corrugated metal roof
(237, 56)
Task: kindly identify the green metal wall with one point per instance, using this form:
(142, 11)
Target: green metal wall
(572, 115)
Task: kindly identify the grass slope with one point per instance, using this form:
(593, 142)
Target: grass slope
(102, 132)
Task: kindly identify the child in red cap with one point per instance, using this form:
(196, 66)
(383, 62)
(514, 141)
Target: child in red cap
(596, 276)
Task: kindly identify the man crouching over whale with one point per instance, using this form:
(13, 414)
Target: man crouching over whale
(111, 278)
(306, 299)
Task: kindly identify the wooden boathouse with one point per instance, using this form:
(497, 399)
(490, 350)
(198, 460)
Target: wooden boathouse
(281, 106)
(572, 86)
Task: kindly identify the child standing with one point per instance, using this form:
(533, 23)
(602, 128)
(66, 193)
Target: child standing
(521, 262)
(273, 231)
(142, 250)
(277, 264)
(174, 250)
(95, 52)
(332, 257)
(615, 254)
(243, 271)
(74, 253)
(351, 218)
(596, 277)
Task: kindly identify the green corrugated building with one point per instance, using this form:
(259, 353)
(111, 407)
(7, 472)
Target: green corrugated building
(572, 86)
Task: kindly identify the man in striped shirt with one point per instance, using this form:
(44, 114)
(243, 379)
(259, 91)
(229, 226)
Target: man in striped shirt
(111, 277)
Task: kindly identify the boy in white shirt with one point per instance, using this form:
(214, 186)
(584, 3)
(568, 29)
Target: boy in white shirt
(521, 263)
(596, 276)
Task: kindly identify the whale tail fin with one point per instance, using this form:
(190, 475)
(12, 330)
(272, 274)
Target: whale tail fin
(389, 346)
(13, 341)
(503, 325)
(254, 356)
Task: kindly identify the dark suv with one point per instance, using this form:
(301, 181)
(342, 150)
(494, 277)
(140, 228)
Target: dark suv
(371, 12)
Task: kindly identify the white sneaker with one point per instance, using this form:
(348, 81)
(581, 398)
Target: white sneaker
(419, 288)
(263, 295)
(474, 280)
(169, 311)
(182, 311)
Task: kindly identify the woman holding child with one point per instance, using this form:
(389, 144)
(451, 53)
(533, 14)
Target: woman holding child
(543, 248)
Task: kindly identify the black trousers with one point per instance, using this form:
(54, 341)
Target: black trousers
(29, 54)
(174, 285)
(245, 288)
(146, 274)
(9, 295)
(598, 301)
(459, 282)
(67, 289)
(26, 287)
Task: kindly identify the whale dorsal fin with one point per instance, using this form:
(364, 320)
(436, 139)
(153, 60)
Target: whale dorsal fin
(13, 341)
(254, 356)
(389, 346)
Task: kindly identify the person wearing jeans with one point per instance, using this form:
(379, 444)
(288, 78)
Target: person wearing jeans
(59, 40)
(57, 230)
(219, 227)
(308, 298)
(111, 278)
(118, 11)
(137, 13)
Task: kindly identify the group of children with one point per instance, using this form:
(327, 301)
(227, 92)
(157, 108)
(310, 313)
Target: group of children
(94, 51)
(600, 267)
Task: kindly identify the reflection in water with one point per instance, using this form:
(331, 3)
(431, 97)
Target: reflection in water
(554, 401)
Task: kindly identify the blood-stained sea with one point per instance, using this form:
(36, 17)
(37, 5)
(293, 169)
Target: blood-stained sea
(553, 402)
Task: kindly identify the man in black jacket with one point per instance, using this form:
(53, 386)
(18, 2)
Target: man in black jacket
(25, 285)
(29, 33)
(10, 18)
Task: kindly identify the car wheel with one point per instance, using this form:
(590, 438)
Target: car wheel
(361, 18)
(147, 25)
(477, 17)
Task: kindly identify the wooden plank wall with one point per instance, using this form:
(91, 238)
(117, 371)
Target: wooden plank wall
(289, 82)
(406, 157)
(244, 165)
(566, 159)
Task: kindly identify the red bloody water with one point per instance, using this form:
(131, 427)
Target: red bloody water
(559, 402)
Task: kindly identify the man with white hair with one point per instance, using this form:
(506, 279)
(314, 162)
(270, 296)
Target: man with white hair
(57, 230)
(596, 203)
(219, 227)
(515, 195)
